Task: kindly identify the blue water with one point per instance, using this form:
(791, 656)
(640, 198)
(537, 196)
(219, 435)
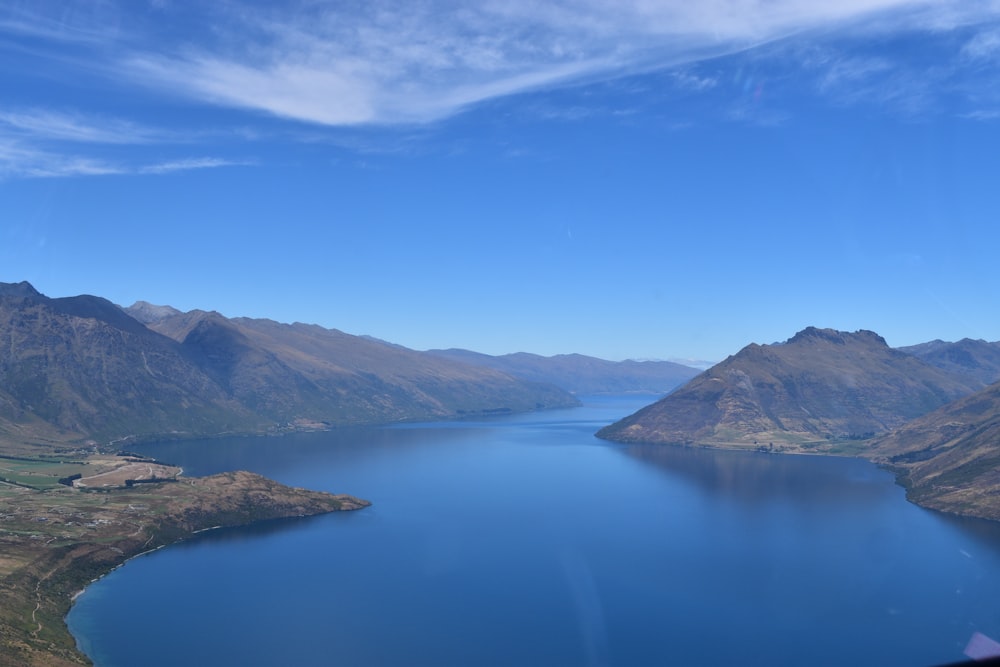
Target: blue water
(524, 540)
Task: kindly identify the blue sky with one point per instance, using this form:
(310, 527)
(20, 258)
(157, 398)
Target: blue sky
(634, 179)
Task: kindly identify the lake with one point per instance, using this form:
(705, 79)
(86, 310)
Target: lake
(524, 540)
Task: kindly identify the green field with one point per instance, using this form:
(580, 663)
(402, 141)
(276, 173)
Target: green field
(39, 473)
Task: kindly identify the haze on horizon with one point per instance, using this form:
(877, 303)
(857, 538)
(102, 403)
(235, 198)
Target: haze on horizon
(624, 180)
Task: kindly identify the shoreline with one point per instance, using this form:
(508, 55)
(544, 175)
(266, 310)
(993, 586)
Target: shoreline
(83, 590)
(37, 595)
(960, 507)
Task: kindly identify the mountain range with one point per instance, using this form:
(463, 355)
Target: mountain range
(581, 374)
(82, 369)
(978, 358)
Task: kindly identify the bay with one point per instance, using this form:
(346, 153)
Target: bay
(524, 540)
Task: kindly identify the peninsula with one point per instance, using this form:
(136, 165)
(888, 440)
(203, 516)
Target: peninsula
(64, 523)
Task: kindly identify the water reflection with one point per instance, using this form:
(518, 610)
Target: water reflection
(277, 455)
(985, 533)
(262, 530)
(755, 477)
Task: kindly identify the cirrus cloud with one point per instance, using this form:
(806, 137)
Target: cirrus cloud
(394, 62)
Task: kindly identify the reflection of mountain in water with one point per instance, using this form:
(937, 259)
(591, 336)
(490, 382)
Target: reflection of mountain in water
(752, 477)
(332, 449)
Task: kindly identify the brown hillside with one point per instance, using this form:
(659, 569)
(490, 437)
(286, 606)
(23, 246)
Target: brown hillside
(821, 388)
(950, 459)
(80, 371)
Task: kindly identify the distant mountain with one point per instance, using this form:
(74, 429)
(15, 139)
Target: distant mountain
(949, 459)
(819, 391)
(280, 369)
(970, 357)
(81, 368)
(700, 364)
(581, 374)
(147, 313)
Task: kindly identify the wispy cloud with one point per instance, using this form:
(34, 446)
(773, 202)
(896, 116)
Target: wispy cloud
(399, 62)
(333, 93)
(18, 160)
(51, 125)
(848, 73)
(983, 114)
(394, 62)
(192, 163)
(41, 143)
(984, 45)
(876, 80)
(79, 23)
(692, 81)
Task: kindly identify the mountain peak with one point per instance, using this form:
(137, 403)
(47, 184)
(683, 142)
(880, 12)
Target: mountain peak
(836, 337)
(147, 312)
(22, 289)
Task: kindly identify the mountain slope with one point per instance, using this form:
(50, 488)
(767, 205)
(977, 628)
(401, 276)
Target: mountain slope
(976, 358)
(79, 367)
(301, 373)
(950, 459)
(581, 374)
(820, 389)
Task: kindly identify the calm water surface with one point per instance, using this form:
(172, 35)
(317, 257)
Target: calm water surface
(526, 541)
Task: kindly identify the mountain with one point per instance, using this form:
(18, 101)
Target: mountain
(81, 368)
(581, 374)
(700, 364)
(977, 358)
(949, 459)
(820, 391)
(147, 313)
(306, 372)
(78, 367)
